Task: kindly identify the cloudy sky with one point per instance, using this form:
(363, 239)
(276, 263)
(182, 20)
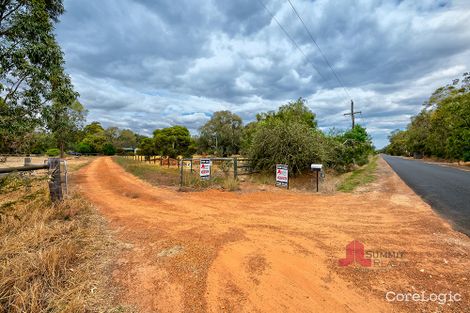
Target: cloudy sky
(146, 64)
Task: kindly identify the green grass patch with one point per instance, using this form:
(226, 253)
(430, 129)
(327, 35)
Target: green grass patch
(360, 176)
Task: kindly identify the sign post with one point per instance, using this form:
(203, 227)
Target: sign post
(205, 168)
(316, 168)
(282, 175)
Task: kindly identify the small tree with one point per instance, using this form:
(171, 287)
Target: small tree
(292, 143)
(222, 133)
(287, 136)
(64, 122)
(147, 147)
(172, 141)
(126, 139)
(94, 136)
(109, 149)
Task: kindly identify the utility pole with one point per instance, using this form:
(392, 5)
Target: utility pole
(352, 113)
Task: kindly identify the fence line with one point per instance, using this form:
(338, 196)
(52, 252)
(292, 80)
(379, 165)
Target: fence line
(154, 159)
(188, 167)
(57, 184)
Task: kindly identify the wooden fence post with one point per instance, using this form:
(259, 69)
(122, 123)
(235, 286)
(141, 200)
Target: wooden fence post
(27, 161)
(180, 165)
(55, 183)
(235, 168)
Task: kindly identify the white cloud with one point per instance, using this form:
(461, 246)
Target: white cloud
(148, 64)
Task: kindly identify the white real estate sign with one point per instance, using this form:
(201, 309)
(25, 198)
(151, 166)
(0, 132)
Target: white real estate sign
(282, 175)
(205, 168)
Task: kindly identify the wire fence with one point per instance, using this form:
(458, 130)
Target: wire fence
(207, 171)
(217, 172)
(154, 159)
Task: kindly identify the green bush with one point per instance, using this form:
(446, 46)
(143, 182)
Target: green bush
(109, 149)
(466, 156)
(84, 148)
(344, 150)
(292, 143)
(53, 152)
(290, 136)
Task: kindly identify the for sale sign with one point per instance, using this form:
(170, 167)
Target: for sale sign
(205, 168)
(282, 175)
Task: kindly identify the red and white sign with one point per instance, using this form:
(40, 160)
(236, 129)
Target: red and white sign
(205, 168)
(282, 175)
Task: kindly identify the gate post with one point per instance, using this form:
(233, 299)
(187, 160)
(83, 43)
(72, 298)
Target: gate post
(55, 183)
(235, 168)
(181, 172)
(27, 161)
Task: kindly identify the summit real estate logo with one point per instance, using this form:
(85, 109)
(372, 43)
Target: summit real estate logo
(357, 254)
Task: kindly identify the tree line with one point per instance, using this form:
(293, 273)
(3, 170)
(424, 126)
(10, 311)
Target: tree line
(289, 135)
(441, 129)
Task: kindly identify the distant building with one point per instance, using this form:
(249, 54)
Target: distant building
(133, 150)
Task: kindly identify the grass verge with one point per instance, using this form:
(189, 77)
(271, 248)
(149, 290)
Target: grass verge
(162, 175)
(154, 174)
(53, 257)
(360, 176)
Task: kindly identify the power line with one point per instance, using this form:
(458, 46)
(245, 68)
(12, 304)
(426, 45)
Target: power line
(319, 49)
(362, 119)
(289, 36)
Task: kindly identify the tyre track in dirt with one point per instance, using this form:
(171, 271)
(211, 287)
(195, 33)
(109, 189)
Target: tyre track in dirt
(217, 251)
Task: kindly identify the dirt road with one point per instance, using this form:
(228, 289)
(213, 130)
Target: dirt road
(268, 251)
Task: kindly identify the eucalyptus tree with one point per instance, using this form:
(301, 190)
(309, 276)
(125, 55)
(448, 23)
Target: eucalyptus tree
(34, 89)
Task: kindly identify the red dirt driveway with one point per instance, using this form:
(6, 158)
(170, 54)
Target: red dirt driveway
(276, 251)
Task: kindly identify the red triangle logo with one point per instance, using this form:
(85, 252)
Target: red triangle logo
(202, 166)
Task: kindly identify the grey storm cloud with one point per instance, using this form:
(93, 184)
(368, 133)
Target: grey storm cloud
(146, 64)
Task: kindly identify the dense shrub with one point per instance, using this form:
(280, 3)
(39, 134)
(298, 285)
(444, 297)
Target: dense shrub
(53, 152)
(109, 149)
(84, 148)
(292, 143)
(290, 136)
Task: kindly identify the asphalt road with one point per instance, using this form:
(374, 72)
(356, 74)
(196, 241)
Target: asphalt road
(446, 189)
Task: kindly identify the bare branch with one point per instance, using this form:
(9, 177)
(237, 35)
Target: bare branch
(15, 87)
(4, 15)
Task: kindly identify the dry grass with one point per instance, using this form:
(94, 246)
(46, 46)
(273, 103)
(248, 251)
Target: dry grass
(76, 163)
(53, 258)
(162, 176)
(231, 184)
(154, 174)
(305, 182)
